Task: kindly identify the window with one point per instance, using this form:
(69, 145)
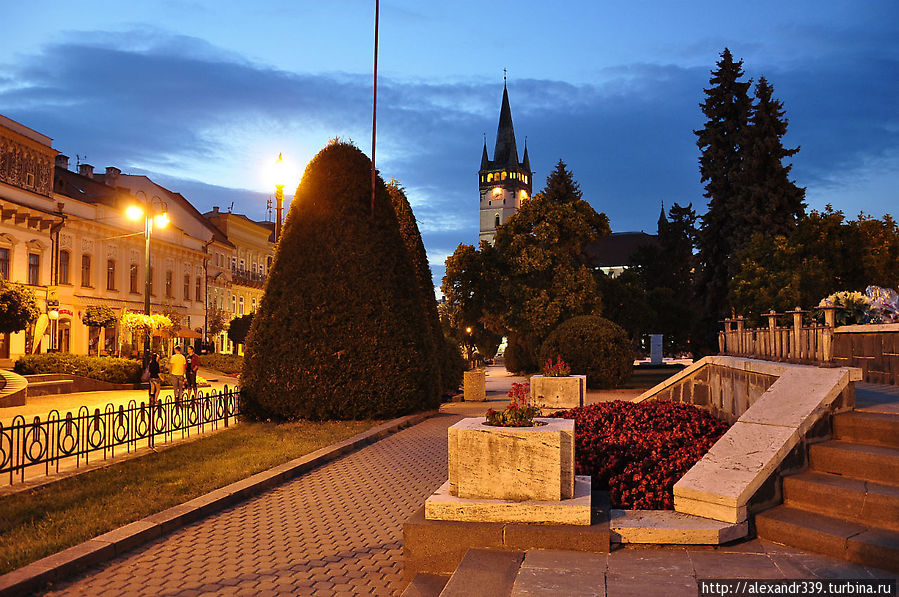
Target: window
(496, 221)
(62, 276)
(243, 265)
(187, 287)
(34, 269)
(233, 263)
(132, 278)
(240, 312)
(254, 305)
(86, 270)
(199, 294)
(169, 283)
(110, 274)
(4, 264)
(233, 304)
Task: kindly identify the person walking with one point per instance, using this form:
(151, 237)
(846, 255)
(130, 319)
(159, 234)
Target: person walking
(193, 365)
(155, 378)
(177, 368)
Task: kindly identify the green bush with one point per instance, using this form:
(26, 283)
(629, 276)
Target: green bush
(224, 363)
(520, 356)
(593, 346)
(453, 366)
(339, 335)
(108, 369)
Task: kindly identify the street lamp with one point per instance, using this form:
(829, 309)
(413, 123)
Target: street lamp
(153, 210)
(280, 175)
(468, 344)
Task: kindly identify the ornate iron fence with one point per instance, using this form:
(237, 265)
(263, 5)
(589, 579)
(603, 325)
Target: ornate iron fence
(98, 434)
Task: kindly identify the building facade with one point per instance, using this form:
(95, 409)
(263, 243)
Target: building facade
(503, 182)
(65, 235)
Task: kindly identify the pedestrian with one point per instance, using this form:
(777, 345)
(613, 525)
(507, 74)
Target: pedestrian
(155, 379)
(177, 368)
(193, 365)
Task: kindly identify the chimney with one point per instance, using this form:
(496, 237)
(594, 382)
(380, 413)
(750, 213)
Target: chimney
(112, 176)
(62, 161)
(215, 209)
(86, 170)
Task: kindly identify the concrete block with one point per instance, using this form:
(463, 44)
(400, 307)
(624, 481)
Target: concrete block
(475, 385)
(512, 463)
(442, 505)
(558, 392)
(811, 394)
(437, 546)
(668, 527)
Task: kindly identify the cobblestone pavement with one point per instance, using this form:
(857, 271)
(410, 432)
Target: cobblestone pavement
(334, 531)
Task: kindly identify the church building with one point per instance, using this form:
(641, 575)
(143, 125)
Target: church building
(504, 182)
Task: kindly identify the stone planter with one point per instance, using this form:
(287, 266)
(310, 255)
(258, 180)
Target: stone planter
(475, 386)
(512, 463)
(559, 392)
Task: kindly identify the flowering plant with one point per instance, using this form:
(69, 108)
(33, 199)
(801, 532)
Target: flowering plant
(854, 307)
(638, 451)
(520, 411)
(558, 369)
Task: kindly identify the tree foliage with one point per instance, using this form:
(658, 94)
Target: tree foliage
(339, 335)
(239, 327)
(18, 307)
(98, 316)
(825, 253)
(217, 321)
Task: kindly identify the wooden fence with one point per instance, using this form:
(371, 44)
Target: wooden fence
(798, 343)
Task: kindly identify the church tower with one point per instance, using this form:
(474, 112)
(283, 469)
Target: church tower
(504, 182)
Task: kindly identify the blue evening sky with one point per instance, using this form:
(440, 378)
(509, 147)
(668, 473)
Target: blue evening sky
(203, 95)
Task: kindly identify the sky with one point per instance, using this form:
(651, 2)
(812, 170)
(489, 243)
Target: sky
(203, 95)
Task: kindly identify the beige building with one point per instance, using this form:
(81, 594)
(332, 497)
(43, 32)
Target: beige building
(66, 236)
(254, 249)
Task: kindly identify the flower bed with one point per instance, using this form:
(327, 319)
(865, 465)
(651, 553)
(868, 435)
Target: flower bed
(638, 451)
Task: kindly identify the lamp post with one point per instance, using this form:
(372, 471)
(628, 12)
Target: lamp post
(279, 194)
(153, 210)
(468, 345)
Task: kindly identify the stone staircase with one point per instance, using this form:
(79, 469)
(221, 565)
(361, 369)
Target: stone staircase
(481, 572)
(846, 505)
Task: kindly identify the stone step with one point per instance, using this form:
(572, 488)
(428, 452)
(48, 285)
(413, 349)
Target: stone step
(835, 537)
(857, 461)
(484, 572)
(857, 500)
(425, 585)
(867, 428)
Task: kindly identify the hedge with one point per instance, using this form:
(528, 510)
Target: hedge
(110, 369)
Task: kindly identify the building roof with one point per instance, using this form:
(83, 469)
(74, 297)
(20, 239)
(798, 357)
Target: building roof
(505, 152)
(618, 249)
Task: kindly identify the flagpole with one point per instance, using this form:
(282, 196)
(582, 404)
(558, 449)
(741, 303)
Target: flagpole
(374, 111)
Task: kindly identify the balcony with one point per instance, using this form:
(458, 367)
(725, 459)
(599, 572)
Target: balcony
(247, 278)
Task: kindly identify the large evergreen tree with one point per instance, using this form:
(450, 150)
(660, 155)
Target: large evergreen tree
(338, 334)
(769, 202)
(545, 279)
(727, 108)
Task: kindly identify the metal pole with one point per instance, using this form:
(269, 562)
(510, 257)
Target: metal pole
(374, 111)
(279, 206)
(148, 223)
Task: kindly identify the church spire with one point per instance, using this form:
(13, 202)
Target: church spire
(525, 161)
(505, 153)
(485, 161)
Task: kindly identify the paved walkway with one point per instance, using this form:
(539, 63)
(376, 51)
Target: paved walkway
(338, 531)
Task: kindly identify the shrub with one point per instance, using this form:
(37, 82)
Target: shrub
(638, 451)
(519, 356)
(338, 334)
(595, 347)
(225, 363)
(453, 366)
(103, 368)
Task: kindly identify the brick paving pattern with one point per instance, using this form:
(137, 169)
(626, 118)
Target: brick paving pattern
(334, 531)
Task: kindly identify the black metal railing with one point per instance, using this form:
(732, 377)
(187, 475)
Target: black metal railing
(247, 275)
(98, 434)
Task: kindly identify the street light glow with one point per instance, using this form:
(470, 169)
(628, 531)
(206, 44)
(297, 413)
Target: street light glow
(134, 212)
(279, 172)
(162, 220)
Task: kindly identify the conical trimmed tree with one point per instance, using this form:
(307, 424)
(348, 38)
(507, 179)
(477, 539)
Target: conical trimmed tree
(447, 365)
(338, 335)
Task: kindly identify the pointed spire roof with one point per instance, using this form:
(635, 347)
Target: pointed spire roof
(525, 160)
(485, 161)
(505, 153)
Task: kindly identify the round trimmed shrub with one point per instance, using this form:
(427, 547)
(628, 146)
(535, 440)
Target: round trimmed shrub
(593, 346)
(338, 334)
(519, 356)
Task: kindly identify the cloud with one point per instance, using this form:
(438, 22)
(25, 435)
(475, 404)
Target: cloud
(199, 118)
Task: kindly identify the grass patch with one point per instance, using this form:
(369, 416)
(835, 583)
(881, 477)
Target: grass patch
(48, 519)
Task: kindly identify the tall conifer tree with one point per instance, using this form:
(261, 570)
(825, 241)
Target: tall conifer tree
(727, 107)
(770, 203)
